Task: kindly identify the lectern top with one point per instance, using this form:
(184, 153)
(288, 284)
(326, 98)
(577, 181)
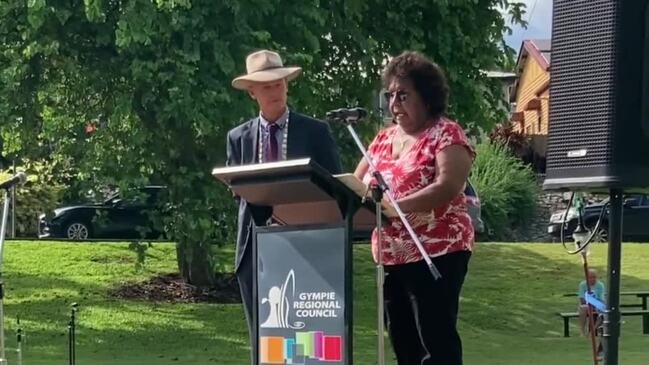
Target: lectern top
(300, 192)
(268, 169)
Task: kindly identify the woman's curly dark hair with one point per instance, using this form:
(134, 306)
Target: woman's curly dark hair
(426, 76)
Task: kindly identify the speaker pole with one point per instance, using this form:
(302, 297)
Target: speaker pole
(612, 318)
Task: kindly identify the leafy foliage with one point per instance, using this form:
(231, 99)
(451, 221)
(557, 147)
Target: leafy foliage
(132, 92)
(516, 142)
(40, 194)
(507, 189)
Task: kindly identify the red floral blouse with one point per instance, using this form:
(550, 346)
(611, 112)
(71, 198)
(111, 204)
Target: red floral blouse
(445, 229)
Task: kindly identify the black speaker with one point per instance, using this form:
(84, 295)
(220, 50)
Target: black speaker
(599, 96)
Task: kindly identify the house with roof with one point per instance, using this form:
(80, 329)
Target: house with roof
(530, 96)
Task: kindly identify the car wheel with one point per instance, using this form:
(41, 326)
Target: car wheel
(77, 231)
(602, 232)
(601, 235)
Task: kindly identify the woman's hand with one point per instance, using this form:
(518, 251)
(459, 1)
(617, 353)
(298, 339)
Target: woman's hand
(388, 209)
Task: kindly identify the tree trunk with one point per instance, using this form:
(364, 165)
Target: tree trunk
(195, 263)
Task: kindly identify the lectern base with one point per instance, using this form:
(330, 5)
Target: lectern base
(302, 294)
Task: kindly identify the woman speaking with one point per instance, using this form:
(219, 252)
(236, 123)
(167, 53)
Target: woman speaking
(425, 158)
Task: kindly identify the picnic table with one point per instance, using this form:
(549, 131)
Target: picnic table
(643, 296)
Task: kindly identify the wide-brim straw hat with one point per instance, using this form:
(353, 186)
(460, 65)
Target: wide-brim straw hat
(264, 66)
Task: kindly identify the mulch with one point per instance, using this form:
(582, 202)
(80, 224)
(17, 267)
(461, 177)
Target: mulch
(173, 288)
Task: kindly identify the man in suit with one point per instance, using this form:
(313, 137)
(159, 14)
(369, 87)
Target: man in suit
(276, 134)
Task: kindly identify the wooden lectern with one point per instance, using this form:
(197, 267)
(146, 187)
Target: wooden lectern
(302, 288)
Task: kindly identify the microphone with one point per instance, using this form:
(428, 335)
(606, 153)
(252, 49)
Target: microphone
(17, 179)
(345, 114)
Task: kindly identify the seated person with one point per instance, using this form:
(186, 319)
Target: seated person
(597, 288)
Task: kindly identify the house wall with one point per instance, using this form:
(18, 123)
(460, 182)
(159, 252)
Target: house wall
(545, 109)
(532, 79)
(531, 84)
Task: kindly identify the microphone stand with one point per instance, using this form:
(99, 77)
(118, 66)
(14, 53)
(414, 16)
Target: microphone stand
(377, 196)
(378, 191)
(72, 335)
(3, 229)
(20, 335)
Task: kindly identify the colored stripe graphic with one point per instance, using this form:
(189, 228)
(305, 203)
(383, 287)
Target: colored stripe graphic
(306, 340)
(289, 349)
(310, 351)
(272, 350)
(313, 345)
(333, 350)
(299, 355)
(317, 344)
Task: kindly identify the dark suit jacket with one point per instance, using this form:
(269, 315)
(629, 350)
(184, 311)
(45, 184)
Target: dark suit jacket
(307, 137)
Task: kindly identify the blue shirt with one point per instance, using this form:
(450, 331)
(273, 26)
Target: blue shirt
(597, 289)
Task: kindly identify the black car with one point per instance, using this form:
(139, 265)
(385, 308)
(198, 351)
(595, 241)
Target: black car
(635, 219)
(113, 218)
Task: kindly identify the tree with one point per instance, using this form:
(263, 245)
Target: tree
(151, 79)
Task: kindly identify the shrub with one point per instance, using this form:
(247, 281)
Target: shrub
(507, 189)
(517, 142)
(40, 194)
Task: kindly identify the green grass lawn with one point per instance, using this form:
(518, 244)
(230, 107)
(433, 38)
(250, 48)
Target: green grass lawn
(507, 312)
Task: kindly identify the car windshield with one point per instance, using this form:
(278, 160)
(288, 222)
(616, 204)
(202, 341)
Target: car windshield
(635, 198)
(145, 195)
(112, 198)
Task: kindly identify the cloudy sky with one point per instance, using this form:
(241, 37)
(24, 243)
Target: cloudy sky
(539, 16)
